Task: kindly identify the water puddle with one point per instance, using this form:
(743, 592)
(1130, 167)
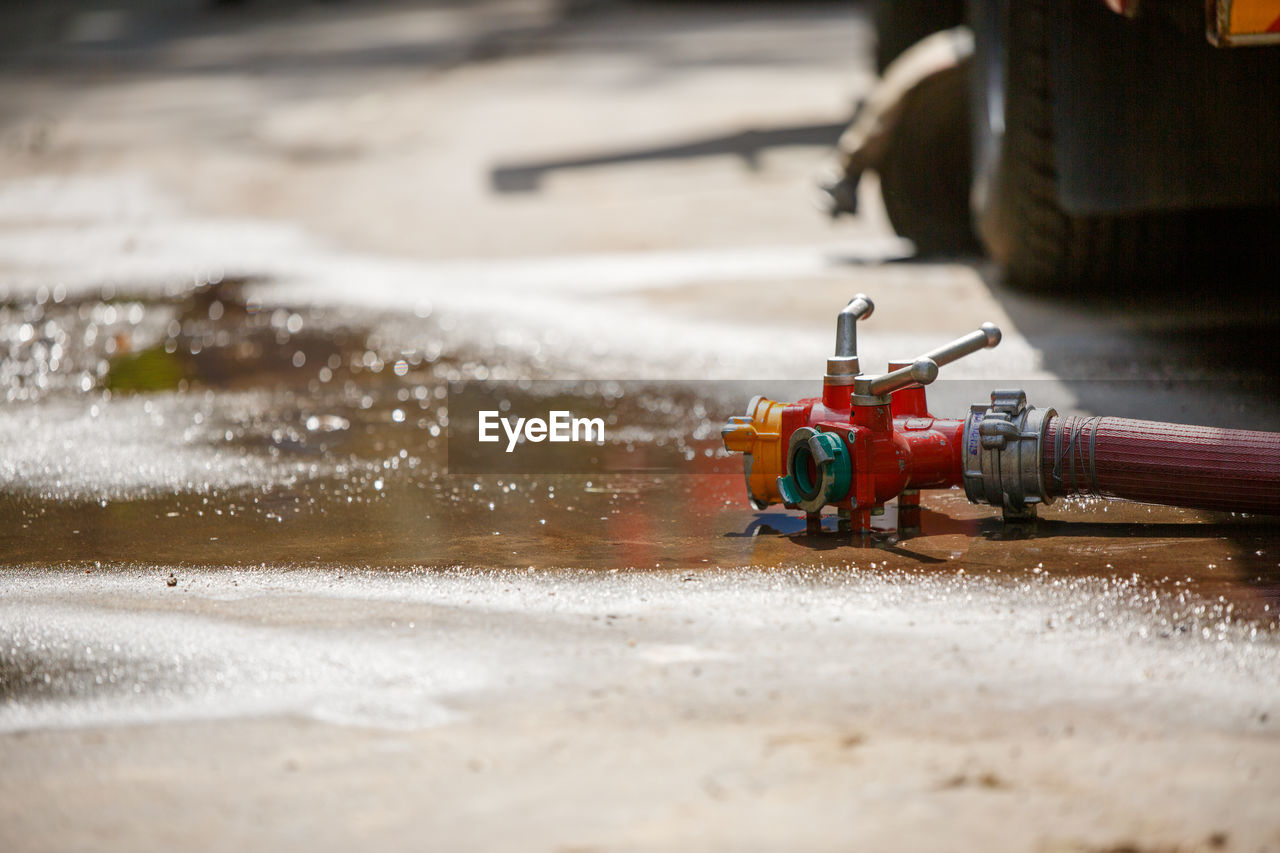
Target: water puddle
(207, 430)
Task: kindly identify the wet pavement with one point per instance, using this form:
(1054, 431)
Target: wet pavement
(212, 430)
(246, 582)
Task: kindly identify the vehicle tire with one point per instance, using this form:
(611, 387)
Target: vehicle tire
(1035, 242)
(901, 23)
(926, 173)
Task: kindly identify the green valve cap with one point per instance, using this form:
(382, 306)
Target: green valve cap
(819, 471)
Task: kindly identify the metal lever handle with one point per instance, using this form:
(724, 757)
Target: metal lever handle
(988, 335)
(923, 371)
(859, 308)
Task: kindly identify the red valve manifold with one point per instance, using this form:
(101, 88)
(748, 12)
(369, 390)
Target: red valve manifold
(870, 439)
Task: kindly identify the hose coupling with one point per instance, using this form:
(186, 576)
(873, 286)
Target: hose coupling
(1003, 446)
(819, 470)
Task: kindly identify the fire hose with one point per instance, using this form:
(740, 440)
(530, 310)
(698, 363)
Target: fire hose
(870, 439)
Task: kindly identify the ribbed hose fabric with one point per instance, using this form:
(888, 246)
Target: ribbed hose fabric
(1231, 470)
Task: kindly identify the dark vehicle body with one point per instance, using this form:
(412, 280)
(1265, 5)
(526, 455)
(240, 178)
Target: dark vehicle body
(1114, 143)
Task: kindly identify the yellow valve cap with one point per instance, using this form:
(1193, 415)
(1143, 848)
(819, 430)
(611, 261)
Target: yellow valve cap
(756, 435)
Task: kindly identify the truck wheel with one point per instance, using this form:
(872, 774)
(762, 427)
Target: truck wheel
(1038, 245)
(926, 172)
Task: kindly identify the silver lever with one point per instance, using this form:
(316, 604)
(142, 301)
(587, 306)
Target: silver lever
(923, 371)
(987, 335)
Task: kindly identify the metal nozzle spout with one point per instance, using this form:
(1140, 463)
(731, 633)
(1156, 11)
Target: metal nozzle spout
(859, 308)
(923, 371)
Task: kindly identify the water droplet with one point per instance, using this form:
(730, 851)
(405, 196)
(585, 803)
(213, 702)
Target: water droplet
(327, 423)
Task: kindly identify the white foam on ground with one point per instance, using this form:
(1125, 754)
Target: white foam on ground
(140, 446)
(121, 648)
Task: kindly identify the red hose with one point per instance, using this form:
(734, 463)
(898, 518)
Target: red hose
(1231, 470)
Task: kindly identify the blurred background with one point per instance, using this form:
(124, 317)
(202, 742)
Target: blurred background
(436, 129)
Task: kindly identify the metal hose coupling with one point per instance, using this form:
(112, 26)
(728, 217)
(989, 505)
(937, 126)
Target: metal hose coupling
(819, 470)
(1002, 452)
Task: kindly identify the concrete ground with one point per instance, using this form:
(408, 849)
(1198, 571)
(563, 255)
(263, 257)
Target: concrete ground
(361, 650)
